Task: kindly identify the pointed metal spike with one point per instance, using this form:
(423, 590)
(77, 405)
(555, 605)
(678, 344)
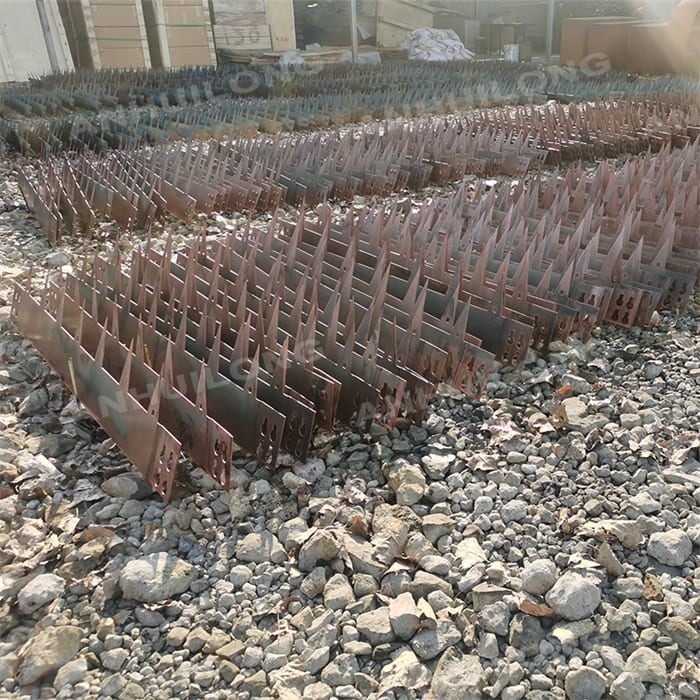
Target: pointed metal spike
(279, 376)
(154, 403)
(201, 398)
(251, 382)
(101, 343)
(125, 378)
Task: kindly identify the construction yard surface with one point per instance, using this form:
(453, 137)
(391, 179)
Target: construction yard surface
(372, 382)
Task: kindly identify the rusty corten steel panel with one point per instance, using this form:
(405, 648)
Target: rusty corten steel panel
(255, 339)
(258, 338)
(136, 186)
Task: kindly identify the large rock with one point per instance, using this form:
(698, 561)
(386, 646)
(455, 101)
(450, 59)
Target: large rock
(320, 546)
(404, 616)
(526, 634)
(576, 417)
(495, 618)
(341, 671)
(539, 576)
(573, 597)
(260, 547)
(337, 593)
(457, 676)
(39, 591)
(681, 632)
(156, 577)
(405, 671)
(428, 643)
(671, 548)
(584, 684)
(436, 525)
(407, 481)
(71, 673)
(375, 626)
(128, 485)
(647, 665)
(50, 649)
(627, 687)
(514, 511)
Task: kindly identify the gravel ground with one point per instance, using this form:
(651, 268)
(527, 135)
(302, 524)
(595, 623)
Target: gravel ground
(541, 543)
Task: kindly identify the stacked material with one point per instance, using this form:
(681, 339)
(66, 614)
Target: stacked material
(179, 33)
(253, 25)
(106, 33)
(435, 45)
(32, 40)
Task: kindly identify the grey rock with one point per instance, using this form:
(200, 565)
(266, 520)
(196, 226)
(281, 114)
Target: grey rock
(469, 553)
(127, 485)
(50, 445)
(647, 665)
(363, 556)
(316, 658)
(435, 565)
(653, 369)
(321, 546)
(514, 692)
(575, 414)
(314, 582)
(48, 651)
(41, 590)
(681, 632)
(495, 618)
(407, 481)
(156, 577)
(375, 626)
(424, 583)
(404, 671)
(526, 634)
(311, 470)
(486, 594)
(437, 464)
(671, 548)
(584, 684)
(488, 646)
(71, 673)
(627, 687)
(114, 659)
(573, 597)
(428, 643)
(612, 659)
(197, 638)
(457, 676)
(35, 403)
(568, 633)
(404, 616)
(255, 684)
(289, 679)
(436, 525)
(338, 593)
(260, 547)
(340, 671)
(539, 576)
(9, 663)
(317, 691)
(629, 587)
(113, 685)
(514, 511)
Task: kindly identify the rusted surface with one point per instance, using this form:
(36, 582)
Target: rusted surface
(260, 337)
(136, 186)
